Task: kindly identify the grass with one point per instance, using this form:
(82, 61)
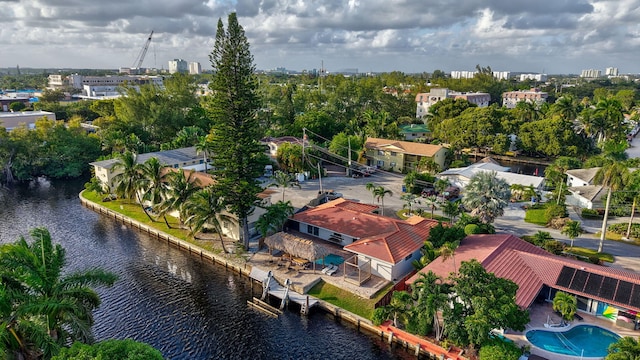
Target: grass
(536, 216)
(617, 237)
(134, 211)
(587, 253)
(347, 300)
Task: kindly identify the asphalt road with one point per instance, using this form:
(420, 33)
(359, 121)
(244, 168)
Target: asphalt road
(627, 255)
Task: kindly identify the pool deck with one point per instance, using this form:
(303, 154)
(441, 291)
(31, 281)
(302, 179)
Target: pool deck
(539, 314)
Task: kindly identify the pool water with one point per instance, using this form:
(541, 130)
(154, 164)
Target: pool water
(332, 259)
(593, 340)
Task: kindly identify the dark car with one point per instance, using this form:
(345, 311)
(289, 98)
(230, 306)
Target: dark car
(426, 192)
(451, 192)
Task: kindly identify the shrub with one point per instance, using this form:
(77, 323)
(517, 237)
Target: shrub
(595, 260)
(553, 246)
(555, 211)
(590, 213)
(472, 229)
(558, 223)
(500, 350)
(621, 229)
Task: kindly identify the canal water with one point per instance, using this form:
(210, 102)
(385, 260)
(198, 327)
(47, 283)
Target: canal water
(186, 308)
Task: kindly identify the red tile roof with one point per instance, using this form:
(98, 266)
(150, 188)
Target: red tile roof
(510, 257)
(383, 238)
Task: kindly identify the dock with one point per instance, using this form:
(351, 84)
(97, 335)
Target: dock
(282, 292)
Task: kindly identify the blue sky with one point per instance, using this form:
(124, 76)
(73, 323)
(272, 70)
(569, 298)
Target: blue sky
(554, 36)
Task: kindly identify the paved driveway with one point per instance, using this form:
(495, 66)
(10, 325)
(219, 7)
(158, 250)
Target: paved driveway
(627, 255)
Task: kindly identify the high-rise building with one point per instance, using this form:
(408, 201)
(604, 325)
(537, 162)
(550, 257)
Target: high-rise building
(534, 77)
(195, 68)
(178, 65)
(591, 73)
(611, 71)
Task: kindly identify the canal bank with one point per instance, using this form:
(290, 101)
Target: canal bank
(410, 344)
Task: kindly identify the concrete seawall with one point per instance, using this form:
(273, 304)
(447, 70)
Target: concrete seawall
(362, 324)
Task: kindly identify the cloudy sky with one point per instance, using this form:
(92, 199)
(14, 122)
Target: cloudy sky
(550, 36)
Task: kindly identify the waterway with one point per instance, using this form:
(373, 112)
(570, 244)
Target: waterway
(186, 308)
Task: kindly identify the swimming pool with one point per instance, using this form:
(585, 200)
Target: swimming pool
(331, 259)
(593, 340)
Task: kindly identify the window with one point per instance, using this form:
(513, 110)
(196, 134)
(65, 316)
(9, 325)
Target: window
(312, 230)
(392, 164)
(380, 163)
(381, 152)
(393, 153)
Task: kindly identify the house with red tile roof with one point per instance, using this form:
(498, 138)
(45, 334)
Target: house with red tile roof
(600, 290)
(390, 245)
(401, 156)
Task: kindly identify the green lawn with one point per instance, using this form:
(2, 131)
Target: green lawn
(617, 237)
(427, 215)
(536, 216)
(134, 211)
(584, 252)
(347, 300)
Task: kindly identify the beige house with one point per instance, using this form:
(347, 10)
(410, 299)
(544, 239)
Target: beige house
(12, 120)
(401, 156)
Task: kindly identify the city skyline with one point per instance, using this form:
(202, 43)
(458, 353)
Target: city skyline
(554, 37)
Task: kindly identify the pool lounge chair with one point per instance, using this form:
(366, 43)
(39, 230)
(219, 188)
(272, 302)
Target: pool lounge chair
(332, 271)
(330, 267)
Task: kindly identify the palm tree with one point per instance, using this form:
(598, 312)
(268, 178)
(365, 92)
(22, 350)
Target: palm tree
(448, 250)
(409, 200)
(431, 295)
(487, 196)
(441, 184)
(153, 181)
(205, 207)
(432, 203)
(451, 209)
(540, 237)
(179, 189)
(626, 348)
(64, 304)
(379, 193)
(572, 229)
(283, 180)
(203, 146)
(566, 305)
(612, 176)
(274, 218)
(610, 111)
(370, 187)
(633, 186)
(129, 177)
(565, 107)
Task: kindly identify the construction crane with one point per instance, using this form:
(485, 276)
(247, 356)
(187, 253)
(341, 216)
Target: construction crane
(140, 58)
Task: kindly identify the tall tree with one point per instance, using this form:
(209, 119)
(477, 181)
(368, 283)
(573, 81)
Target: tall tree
(180, 187)
(572, 229)
(486, 196)
(612, 176)
(63, 303)
(206, 207)
(283, 180)
(379, 193)
(633, 186)
(128, 180)
(235, 132)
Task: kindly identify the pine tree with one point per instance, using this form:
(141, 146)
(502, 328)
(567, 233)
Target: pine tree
(235, 132)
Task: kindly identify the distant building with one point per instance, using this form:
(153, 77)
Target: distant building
(611, 71)
(6, 101)
(425, 100)
(400, 156)
(178, 65)
(511, 98)
(463, 74)
(413, 132)
(13, 120)
(502, 75)
(534, 77)
(195, 68)
(79, 81)
(590, 73)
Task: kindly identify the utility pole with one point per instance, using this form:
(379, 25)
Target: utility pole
(349, 168)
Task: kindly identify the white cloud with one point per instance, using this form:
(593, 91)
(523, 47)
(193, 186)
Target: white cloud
(559, 35)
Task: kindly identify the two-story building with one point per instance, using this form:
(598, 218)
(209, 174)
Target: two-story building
(425, 100)
(402, 156)
(511, 98)
(582, 191)
(415, 132)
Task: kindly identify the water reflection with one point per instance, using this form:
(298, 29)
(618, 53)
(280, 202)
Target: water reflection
(186, 308)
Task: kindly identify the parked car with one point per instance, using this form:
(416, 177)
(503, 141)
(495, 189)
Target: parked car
(332, 195)
(451, 192)
(426, 192)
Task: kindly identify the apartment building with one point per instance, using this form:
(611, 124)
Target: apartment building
(425, 100)
(511, 98)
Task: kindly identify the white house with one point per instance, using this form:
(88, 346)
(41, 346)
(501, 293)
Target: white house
(461, 176)
(586, 197)
(581, 177)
